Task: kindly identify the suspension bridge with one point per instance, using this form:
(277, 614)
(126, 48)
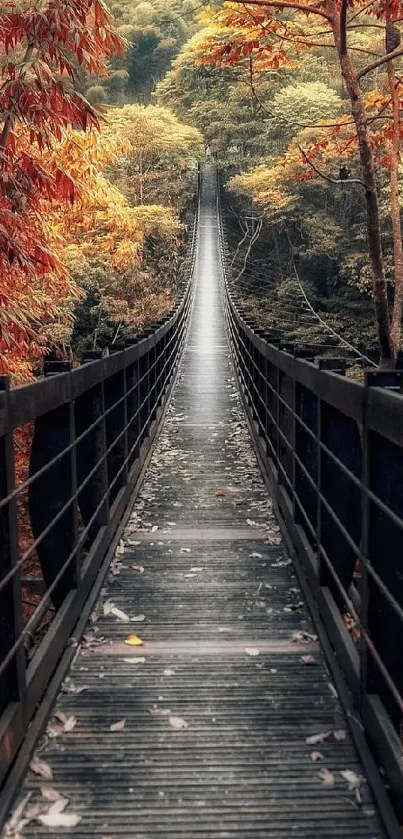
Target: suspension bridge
(213, 646)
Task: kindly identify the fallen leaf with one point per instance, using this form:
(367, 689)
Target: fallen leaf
(303, 636)
(315, 756)
(134, 641)
(326, 777)
(185, 551)
(252, 650)
(109, 608)
(169, 672)
(219, 493)
(59, 806)
(178, 723)
(307, 659)
(318, 738)
(256, 555)
(117, 726)
(32, 811)
(354, 783)
(54, 729)
(138, 618)
(59, 819)
(41, 768)
(51, 794)
(139, 568)
(154, 528)
(135, 659)
(60, 716)
(333, 690)
(70, 723)
(340, 734)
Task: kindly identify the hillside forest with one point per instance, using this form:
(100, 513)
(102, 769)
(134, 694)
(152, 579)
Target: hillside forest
(106, 110)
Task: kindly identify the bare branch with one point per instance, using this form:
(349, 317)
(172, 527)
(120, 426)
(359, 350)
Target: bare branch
(286, 4)
(378, 63)
(326, 177)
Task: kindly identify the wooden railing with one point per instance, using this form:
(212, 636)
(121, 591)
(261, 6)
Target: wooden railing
(86, 434)
(332, 451)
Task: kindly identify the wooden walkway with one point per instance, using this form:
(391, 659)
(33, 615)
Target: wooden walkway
(202, 733)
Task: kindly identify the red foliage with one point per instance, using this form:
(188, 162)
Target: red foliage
(42, 46)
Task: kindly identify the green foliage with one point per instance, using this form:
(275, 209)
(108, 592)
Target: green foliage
(155, 32)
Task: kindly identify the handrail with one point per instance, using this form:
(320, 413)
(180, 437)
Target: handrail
(332, 451)
(88, 433)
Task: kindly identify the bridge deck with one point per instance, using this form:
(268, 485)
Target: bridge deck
(218, 703)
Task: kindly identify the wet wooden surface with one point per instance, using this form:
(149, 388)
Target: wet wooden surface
(201, 733)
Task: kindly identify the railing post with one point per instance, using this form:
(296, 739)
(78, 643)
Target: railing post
(340, 434)
(116, 428)
(12, 680)
(91, 450)
(306, 451)
(52, 490)
(132, 408)
(144, 381)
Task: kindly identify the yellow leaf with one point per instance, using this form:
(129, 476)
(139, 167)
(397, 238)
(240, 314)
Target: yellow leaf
(220, 494)
(134, 641)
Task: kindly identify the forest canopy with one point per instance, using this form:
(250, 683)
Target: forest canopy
(105, 110)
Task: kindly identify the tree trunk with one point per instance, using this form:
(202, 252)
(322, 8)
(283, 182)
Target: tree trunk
(395, 208)
(387, 359)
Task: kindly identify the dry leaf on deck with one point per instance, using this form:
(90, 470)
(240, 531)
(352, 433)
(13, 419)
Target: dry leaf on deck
(59, 806)
(134, 641)
(59, 819)
(315, 756)
(252, 650)
(326, 777)
(318, 738)
(41, 768)
(354, 782)
(178, 723)
(117, 726)
(307, 659)
(51, 794)
(219, 493)
(340, 734)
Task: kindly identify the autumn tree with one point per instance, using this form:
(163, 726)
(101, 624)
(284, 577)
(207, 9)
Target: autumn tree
(268, 34)
(41, 44)
(124, 236)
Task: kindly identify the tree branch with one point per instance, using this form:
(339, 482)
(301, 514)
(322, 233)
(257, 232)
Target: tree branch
(286, 4)
(378, 63)
(326, 177)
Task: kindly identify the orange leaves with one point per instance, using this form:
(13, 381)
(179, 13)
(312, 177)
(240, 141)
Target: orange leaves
(38, 103)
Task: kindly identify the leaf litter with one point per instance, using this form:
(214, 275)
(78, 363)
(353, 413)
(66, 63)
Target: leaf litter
(326, 777)
(117, 726)
(354, 783)
(178, 723)
(50, 812)
(41, 767)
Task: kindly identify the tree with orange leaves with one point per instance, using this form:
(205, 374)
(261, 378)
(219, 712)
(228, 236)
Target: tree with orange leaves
(266, 33)
(42, 45)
